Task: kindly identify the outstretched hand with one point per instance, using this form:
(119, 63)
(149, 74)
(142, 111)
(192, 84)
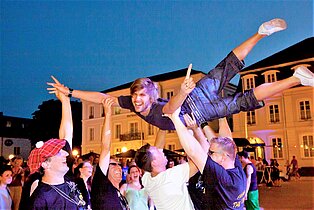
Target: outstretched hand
(190, 121)
(57, 86)
(188, 84)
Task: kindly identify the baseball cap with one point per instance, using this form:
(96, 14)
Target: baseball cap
(43, 151)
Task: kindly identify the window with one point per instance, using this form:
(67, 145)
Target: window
(277, 147)
(171, 147)
(151, 130)
(134, 127)
(9, 124)
(102, 111)
(270, 76)
(117, 110)
(169, 94)
(91, 134)
(91, 112)
(308, 147)
(248, 81)
(17, 150)
(305, 110)
(274, 113)
(250, 116)
(117, 131)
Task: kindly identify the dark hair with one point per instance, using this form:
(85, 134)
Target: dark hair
(244, 154)
(4, 168)
(145, 83)
(143, 158)
(132, 166)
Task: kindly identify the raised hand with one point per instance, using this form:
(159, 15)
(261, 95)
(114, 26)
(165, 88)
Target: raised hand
(57, 86)
(188, 84)
(107, 104)
(190, 121)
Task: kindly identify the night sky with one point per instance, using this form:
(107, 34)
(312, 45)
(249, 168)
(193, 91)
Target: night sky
(92, 45)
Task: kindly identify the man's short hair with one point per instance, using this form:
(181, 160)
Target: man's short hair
(143, 158)
(244, 154)
(226, 144)
(145, 83)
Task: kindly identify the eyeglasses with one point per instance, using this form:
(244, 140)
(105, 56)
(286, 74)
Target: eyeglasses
(210, 152)
(116, 164)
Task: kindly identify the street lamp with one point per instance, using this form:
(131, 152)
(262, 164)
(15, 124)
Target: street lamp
(75, 153)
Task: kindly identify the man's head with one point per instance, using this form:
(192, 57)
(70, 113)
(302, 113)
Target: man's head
(243, 156)
(5, 174)
(114, 171)
(144, 92)
(49, 155)
(150, 158)
(222, 150)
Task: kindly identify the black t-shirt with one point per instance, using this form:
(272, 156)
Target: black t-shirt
(224, 189)
(104, 195)
(46, 197)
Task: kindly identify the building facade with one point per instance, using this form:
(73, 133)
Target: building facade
(281, 129)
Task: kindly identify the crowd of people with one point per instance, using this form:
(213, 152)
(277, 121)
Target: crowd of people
(214, 176)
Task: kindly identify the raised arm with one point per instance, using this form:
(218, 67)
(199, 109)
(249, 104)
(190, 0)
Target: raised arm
(198, 133)
(104, 157)
(190, 145)
(66, 125)
(224, 129)
(176, 101)
(95, 97)
(160, 140)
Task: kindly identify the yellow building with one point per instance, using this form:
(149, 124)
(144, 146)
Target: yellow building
(283, 128)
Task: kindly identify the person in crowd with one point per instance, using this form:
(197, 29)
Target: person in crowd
(275, 173)
(5, 179)
(166, 187)
(259, 164)
(295, 167)
(203, 98)
(251, 193)
(17, 181)
(77, 162)
(252, 159)
(134, 191)
(105, 192)
(223, 177)
(125, 169)
(49, 159)
(170, 163)
(83, 173)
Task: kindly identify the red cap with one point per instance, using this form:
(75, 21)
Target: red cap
(43, 151)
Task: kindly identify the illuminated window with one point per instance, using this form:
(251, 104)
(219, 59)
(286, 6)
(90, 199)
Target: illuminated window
(305, 110)
(274, 113)
(133, 127)
(91, 134)
(151, 130)
(250, 116)
(9, 124)
(117, 110)
(117, 131)
(248, 81)
(277, 147)
(91, 112)
(308, 147)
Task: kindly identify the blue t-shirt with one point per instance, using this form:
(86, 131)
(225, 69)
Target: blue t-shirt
(224, 189)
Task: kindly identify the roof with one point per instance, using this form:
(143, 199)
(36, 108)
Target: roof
(157, 78)
(14, 127)
(299, 51)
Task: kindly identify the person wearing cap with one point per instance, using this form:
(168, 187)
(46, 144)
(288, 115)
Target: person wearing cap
(49, 159)
(251, 193)
(204, 98)
(105, 193)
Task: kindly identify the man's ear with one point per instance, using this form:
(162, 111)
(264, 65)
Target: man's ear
(45, 164)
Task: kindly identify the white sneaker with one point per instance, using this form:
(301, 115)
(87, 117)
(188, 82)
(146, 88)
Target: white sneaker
(272, 26)
(305, 76)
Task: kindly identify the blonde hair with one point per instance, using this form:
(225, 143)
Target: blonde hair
(145, 83)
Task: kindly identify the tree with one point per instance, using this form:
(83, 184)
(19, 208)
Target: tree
(46, 122)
